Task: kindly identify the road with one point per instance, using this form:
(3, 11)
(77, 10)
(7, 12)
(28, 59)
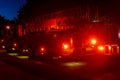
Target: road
(91, 67)
(94, 67)
(9, 72)
(98, 67)
(30, 69)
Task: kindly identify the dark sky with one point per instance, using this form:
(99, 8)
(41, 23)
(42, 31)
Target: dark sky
(9, 8)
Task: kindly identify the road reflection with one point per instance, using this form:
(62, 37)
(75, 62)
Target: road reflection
(73, 64)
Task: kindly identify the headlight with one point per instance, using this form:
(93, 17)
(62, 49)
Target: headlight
(3, 46)
(25, 50)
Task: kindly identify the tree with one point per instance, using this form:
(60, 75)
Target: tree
(3, 23)
(36, 8)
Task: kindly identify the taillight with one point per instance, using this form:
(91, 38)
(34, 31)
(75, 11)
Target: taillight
(14, 46)
(42, 50)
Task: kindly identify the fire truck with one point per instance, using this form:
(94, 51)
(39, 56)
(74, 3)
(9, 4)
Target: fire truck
(55, 44)
(97, 38)
(92, 39)
(68, 43)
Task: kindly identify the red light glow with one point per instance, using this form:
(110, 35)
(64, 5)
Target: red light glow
(42, 53)
(93, 41)
(100, 48)
(7, 27)
(67, 49)
(42, 49)
(109, 47)
(65, 46)
(55, 35)
(15, 44)
(2, 40)
(71, 41)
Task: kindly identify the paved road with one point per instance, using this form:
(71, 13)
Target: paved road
(9, 72)
(97, 67)
(18, 69)
(85, 68)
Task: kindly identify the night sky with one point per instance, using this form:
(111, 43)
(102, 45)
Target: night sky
(9, 8)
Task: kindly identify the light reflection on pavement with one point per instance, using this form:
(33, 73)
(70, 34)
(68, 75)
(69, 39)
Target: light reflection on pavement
(73, 64)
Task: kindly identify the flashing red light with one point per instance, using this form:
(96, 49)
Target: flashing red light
(93, 41)
(100, 48)
(42, 49)
(65, 46)
(67, 49)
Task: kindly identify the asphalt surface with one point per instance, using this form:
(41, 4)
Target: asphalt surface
(9, 72)
(95, 67)
(33, 70)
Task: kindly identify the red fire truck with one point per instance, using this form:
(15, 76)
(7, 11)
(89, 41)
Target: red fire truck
(59, 44)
